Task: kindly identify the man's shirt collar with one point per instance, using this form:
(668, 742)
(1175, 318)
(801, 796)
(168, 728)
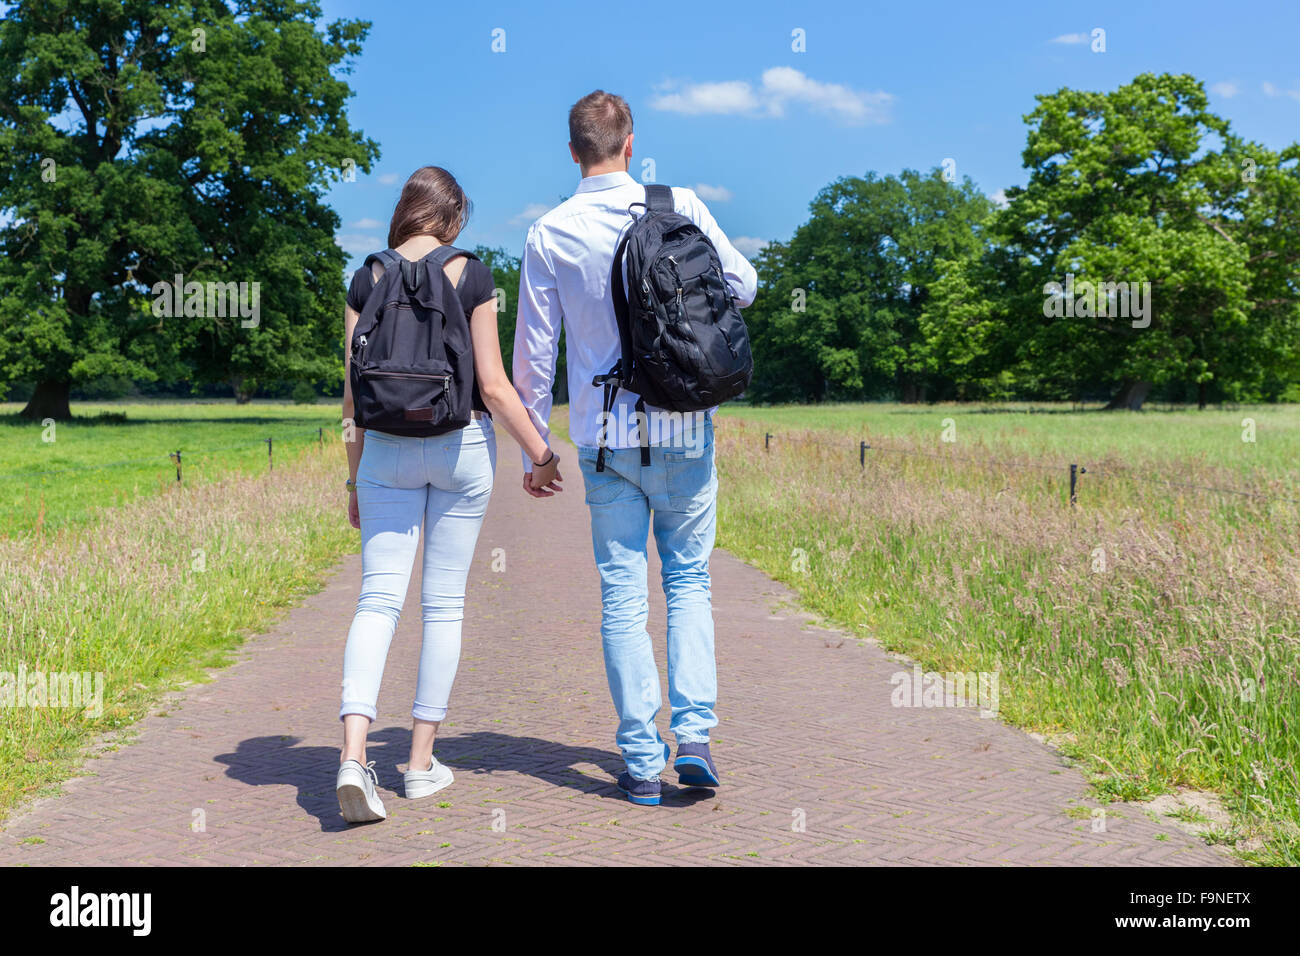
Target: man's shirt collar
(604, 181)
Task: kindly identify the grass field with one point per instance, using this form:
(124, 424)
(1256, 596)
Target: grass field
(124, 573)
(1157, 444)
(1152, 632)
(116, 452)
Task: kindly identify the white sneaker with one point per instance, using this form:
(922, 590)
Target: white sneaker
(421, 783)
(358, 799)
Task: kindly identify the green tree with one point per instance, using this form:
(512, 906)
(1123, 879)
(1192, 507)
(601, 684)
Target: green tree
(152, 140)
(505, 274)
(505, 277)
(1142, 185)
(839, 313)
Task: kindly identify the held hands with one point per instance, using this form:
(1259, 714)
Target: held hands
(544, 480)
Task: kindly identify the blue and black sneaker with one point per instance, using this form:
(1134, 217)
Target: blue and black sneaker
(644, 793)
(694, 766)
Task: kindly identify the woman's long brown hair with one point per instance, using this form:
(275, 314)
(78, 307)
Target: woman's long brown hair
(432, 204)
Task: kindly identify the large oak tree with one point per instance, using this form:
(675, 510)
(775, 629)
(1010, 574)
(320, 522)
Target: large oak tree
(1142, 184)
(145, 141)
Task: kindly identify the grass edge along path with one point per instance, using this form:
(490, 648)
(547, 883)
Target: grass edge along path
(151, 595)
(1134, 674)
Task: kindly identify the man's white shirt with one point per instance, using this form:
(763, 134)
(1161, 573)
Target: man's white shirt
(564, 278)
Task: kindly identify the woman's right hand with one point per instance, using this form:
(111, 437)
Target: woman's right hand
(545, 479)
(354, 515)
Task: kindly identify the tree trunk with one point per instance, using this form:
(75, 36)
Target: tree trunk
(50, 400)
(1200, 395)
(243, 391)
(1130, 396)
(911, 394)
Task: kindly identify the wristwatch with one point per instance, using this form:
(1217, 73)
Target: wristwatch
(350, 485)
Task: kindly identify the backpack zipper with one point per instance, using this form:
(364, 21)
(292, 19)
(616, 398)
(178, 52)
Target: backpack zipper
(423, 376)
(678, 276)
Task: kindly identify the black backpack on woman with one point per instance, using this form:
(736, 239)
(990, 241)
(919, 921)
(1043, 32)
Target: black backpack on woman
(412, 368)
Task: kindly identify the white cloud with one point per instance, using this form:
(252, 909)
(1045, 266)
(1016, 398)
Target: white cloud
(787, 85)
(748, 246)
(735, 96)
(1271, 90)
(531, 212)
(367, 224)
(389, 178)
(360, 244)
(999, 198)
(712, 193)
(779, 88)
(1070, 38)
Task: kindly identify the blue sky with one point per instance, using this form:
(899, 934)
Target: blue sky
(720, 98)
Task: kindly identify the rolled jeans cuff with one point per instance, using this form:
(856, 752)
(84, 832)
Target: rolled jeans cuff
(362, 710)
(420, 712)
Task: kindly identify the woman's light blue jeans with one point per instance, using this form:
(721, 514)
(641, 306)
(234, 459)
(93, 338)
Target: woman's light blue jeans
(676, 494)
(444, 483)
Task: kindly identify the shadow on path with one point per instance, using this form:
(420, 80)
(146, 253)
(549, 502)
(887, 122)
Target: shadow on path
(280, 761)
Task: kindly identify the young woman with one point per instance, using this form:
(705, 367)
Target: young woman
(398, 483)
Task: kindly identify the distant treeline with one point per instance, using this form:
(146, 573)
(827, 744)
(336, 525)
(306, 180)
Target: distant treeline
(1152, 253)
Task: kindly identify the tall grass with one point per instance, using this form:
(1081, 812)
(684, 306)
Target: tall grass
(152, 592)
(1153, 631)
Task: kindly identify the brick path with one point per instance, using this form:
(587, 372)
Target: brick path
(807, 733)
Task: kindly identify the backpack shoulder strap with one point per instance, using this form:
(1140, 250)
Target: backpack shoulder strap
(444, 254)
(658, 198)
(385, 256)
(621, 316)
(440, 256)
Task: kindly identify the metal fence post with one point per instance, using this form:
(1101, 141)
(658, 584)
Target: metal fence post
(270, 463)
(1075, 472)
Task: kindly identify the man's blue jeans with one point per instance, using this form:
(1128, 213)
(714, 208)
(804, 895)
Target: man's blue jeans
(677, 494)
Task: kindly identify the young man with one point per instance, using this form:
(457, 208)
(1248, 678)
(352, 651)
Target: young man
(565, 276)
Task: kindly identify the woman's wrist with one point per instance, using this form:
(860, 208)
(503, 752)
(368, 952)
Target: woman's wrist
(550, 457)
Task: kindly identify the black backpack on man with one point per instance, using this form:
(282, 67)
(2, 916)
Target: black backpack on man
(685, 347)
(412, 368)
